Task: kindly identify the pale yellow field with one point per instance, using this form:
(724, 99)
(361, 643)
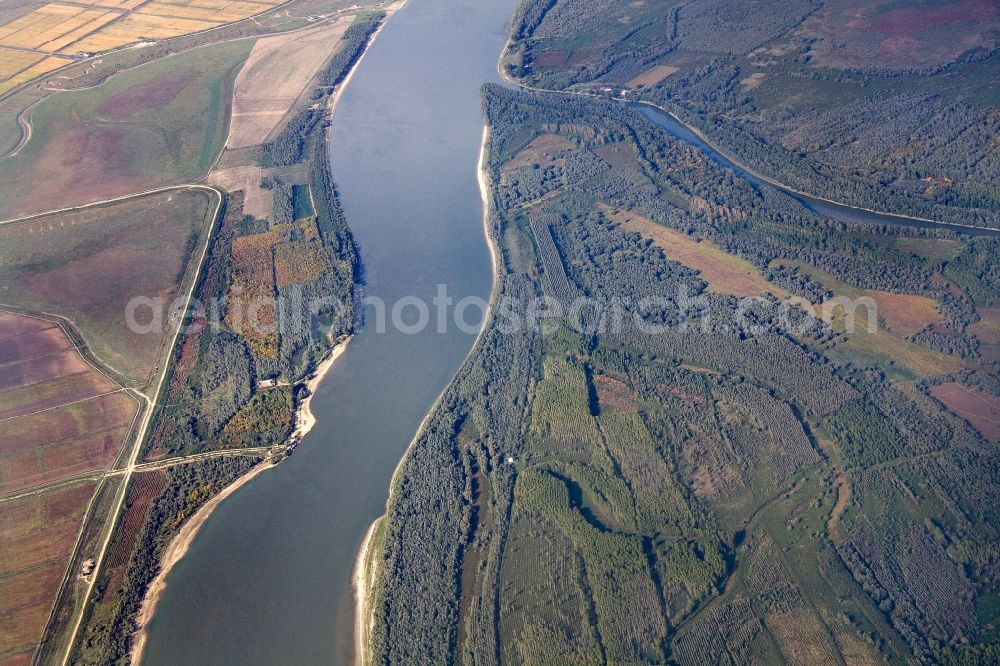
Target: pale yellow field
(275, 74)
(52, 26)
(93, 26)
(12, 62)
(162, 19)
(652, 76)
(43, 66)
(137, 27)
(111, 4)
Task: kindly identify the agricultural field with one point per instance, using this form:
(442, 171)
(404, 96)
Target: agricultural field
(101, 176)
(276, 73)
(89, 263)
(60, 416)
(159, 124)
(283, 238)
(724, 473)
(51, 35)
(37, 536)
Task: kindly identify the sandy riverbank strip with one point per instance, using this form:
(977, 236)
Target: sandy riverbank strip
(179, 545)
(360, 582)
(177, 548)
(304, 418)
(362, 566)
(484, 192)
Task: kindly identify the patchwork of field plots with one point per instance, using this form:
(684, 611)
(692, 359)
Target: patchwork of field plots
(37, 534)
(161, 19)
(88, 264)
(59, 416)
(52, 27)
(91, 26)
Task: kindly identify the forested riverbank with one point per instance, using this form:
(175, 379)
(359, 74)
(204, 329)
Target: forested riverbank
(889, 135)
(698, 466)
(314, 508)
(238, 381)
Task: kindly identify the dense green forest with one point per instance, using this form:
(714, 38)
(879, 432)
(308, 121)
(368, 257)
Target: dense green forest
(879, 104)
(688, 478)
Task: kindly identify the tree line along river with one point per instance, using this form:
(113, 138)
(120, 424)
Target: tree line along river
(267, 580)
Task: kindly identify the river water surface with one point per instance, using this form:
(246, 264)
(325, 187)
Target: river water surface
(267, 580)
(836, 211)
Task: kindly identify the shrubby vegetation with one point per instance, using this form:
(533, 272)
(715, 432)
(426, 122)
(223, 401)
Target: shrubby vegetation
(599, 491)
(898, 137)
(306, 267)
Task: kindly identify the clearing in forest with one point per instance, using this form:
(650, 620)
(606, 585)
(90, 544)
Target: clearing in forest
(979, 409)
(725, 273)
(886, 347)
(544, 151)
(653, 76)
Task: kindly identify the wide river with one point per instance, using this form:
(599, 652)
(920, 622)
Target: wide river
(267, 580)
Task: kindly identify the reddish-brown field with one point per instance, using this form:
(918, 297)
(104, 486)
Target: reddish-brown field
(548, 59)
(987, 329)
(37, 535)
(61, 443)
(860, 33)
(59, 416)
(980, 410)
(41, 369)
(87, 265)
(54, 393)
(613, 393)
(145, 488)
(25, 346)
(904, 314)
(14, 325)
(20, 659)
